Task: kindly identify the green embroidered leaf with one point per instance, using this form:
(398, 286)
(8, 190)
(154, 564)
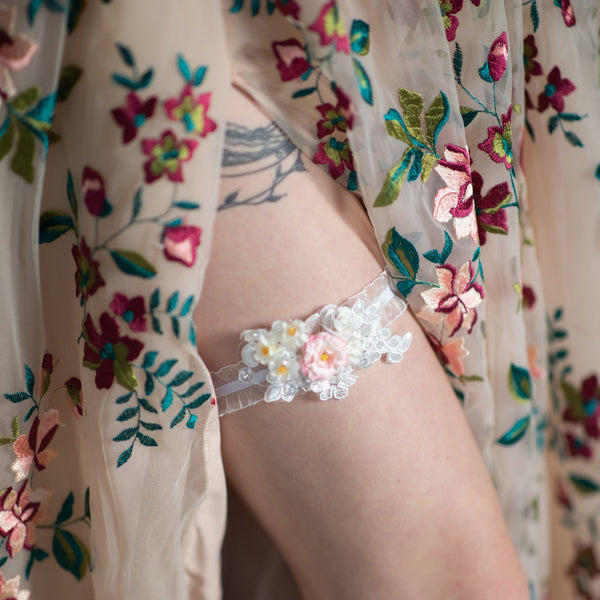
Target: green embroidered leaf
(6, 141)
(427, 165)
(468, 114)
(516, 432)
(22, 160)
(394, 124)
(198, 402)
(573, 400)
(457, 62)
(14, 428)
(29, 379)
(124, 399)
(187, 305)
(193, 389)
(145, 80)
(519, 383)
(5, 441)
(165, 367)
(584, 484)
(359, 37)
(146, 440)
(304, 92)
(178, 418)
(364, 83)
(412, 108)
(181, 378)
(70, 552)
(150, 426)
(133, 263)
(126, 55)
(436, 117)
(552, 124)
(128, 413)
(125, 375)
(53, 224)
(392, 185)
(167, 400)
(124, 456)
(125, 435)
(17, 397)
(401, 253)
(66, 510)
(147, 406)
(76, 8)
(25, 99)
(69, 76)
(573, 139)
(172, 302)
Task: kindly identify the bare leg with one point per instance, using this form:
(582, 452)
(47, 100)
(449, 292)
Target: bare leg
(384, 494)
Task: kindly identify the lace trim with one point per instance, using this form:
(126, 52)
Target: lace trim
(319, 354)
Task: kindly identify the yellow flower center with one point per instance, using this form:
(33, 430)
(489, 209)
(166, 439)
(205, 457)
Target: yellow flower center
(282, 370)
(291, 330)
(265, 350)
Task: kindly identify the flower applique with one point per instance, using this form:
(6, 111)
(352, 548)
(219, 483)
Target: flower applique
(320, 354)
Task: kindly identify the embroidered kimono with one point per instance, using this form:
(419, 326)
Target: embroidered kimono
(469, 130)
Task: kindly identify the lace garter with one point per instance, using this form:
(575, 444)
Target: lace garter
(319, 354)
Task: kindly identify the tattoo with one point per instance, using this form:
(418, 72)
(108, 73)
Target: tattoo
(260, 159)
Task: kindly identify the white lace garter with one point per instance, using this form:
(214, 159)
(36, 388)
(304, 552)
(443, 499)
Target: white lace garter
(319, 354)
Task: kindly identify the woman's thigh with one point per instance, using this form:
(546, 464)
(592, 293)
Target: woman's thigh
(380, 495)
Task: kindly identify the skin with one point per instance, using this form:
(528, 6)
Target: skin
(384, 494)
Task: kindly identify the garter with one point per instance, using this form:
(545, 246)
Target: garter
(320, 354)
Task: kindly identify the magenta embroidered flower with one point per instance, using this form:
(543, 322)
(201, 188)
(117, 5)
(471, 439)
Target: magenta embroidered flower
(16, 519)
(191, 111)
(585, 564)
(567, 12)
(133, 115)
(451, 354)
(324, 355)
(87, 276)
(132, 310)
(292, 60)
(555, 91)
(578, 447)
(16, 51)
(584, 407)
(74, 396)
(336, 155)
(490, 214)
(33, 449)
(181, 242)
(9, 589)
(497, 56)
(498, 144)
(530, 51)
(166, 156)
(288, 7)
(94, 193)
(456, 201)
(449, 8)
(338, 117)
(453, 302)
(109, 354)
(331, 29)
(46, 372)
(529, 297)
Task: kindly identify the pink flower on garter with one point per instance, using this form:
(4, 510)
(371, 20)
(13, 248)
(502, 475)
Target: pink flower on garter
(497, 57)
(331, 29)
(324, 355)
(291, 59)
(74, 396)
(453, 302)
(9, 590)
(555, 91)
(16, 519)
(16, 51)
(191, 111)
(33, 449)
(133, 115)
(456, 201)
(181, 242)
(132, 310)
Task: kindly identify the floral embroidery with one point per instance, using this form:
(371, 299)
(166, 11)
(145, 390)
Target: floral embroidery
(181, 242)
(339, 117)
(94, 194)
(133, 115)
(74, 396)
(449, 8)
(567, 12)
(191, 111)
(87, 276)
(166, 156)
(331, 29)
(9, 589)
(490, 209)
(450, 354)
(498, 144)
(530, 51)
(132, 311)
(555, 91)
(17, 511)
(292, 59)
(288, 7)
(336, 155)
(453, 302)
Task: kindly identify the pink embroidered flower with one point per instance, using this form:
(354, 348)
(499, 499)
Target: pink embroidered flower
(497, 56)
(338, 117)
(584, 407)
(94, 193)
(16, 51)
(166, 156)
(528, 297)
(456, 201)
(331, 29)
(490, 214)
(578, 447)
(132, 310)
(567, 12)
(292, 61)
(191, 111)
(555, 91)
(133, 115)
(16, 519)
(336, 155)
(33, 449)
(9, 590)
(181, 243)
(536, 371)
(87, 276)
(451, 354)
(530, 51)
(324, 355)
(74, 396)
(448, 9)
(288, 7)
(453, 302)
(109, 354)
(498, 144)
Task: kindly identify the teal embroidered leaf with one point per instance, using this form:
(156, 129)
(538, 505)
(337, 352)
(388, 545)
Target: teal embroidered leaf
(304, 92)
(6, 141)
(516, 432)
(125, 435)
(146, 440)
(124, 456)
(569, 117)
(584, 484)
(573, 139)
(187, 305)
(133, 263)
(184, 68)
(467, 114)
(66, 510)
(149, 384)
(192, 335)
(53, 224)
(519, 383)
(76, 8)
(484, 72)
(155, 299)
(172, 302)
(128, 413)
(42, 112)
(156, 325)
(403, 255)
(165, 367)
(199, 76)
(126, 55)
(29, 413)
(178, 418)
(125, 81)
(435, 256)
(167, 400)
(185, 205)
(70, 553)
(457, 63)
(181, 378)
(150, 426)
(146, 79)
(192, 390)
(29, 380)
(71, 194)
(436, 117)
(137, 204)
(124, 399)
(17, 397)
(147, 406)
(35, 554)
(149, 359)
(552, 124)
(86, 505)
(390, 190)
(359, 37)
(364, 83)
(32, 9)
(534, 15)
(237, 6)
(395, 126)
(191, 422)
(22, 160)
(197, 402)
(175, 326)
